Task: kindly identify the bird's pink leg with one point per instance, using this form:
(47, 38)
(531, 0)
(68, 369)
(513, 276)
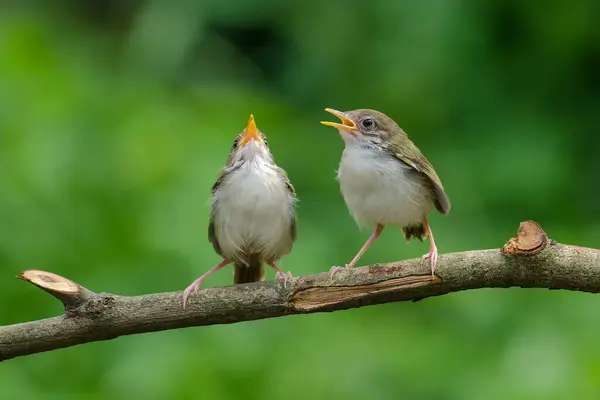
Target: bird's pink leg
(196, 284)
(281, 275)
(433, 253)
(369, 242)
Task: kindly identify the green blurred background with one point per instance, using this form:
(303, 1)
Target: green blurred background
(115, 117)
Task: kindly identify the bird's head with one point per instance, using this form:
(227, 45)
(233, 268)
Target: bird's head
(364, 127)
(250, 145)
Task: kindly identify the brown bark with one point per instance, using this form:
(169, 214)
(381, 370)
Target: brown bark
(528, 260)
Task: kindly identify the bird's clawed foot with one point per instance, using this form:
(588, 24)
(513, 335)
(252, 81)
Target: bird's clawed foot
(285, 277)
(335, 269)
(280, 275)
(196, 284)
(192, 288)
(433, 256)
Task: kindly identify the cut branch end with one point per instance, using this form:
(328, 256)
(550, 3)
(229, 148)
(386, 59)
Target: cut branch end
(530, 239)
(51, 282)
(68, 292)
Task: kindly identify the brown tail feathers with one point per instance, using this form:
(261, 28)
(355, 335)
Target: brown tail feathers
(416, 231)
(248, 273)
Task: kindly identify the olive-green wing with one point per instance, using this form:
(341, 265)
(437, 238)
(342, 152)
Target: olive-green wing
(422, 165)
(290, 187)
(211, 225)
(212, 238)
(220, 177)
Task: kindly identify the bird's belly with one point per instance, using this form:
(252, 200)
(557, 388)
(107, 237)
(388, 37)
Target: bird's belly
(384, 192)
(253, 220)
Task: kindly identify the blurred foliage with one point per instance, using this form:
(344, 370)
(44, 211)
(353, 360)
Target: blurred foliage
(116, 116)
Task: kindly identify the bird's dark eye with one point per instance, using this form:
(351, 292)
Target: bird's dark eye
(235, 143)
(266, 143)
(368, 123)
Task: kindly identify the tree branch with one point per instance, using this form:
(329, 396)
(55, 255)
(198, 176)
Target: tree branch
(528, 260)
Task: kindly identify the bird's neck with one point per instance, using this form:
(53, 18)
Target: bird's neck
(255, 172)
(372, 143)
(249, 160)
(365, 149)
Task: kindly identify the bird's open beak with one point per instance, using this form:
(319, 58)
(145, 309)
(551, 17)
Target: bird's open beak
(251, 132)
(347, 124)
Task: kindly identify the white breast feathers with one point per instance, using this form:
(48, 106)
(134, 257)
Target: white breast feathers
(379, 188)
(253, 213)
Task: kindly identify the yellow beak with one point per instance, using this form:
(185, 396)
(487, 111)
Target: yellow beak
(347, 124)
(251, 132)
